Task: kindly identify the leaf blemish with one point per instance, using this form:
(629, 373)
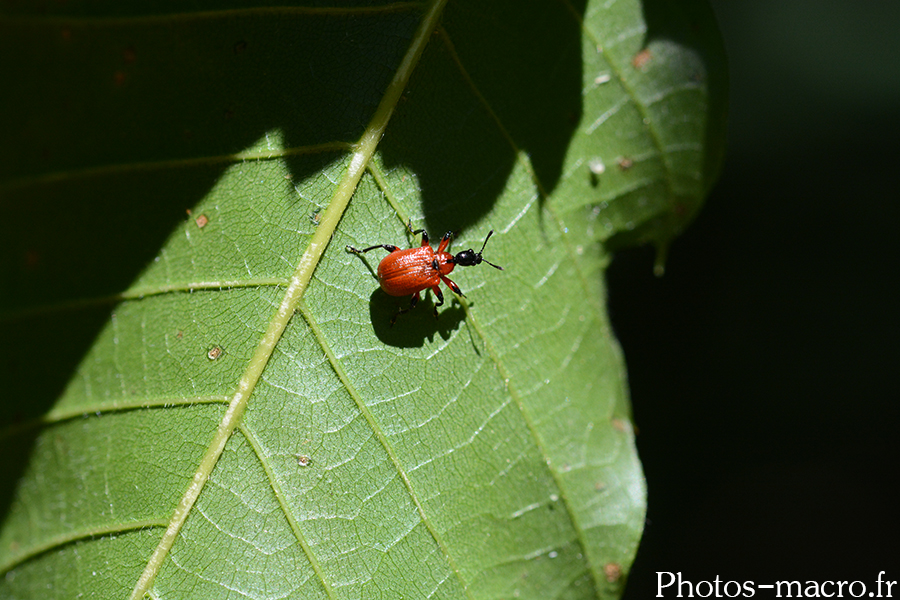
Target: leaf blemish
(641, 59)
(597, 168)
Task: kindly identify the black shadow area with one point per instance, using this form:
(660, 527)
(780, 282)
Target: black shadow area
(411, 329)
(494, 79)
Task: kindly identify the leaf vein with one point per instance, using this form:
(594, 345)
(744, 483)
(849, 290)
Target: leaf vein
(76, 536)
(160, 165)
(254, 443)
(382, 438)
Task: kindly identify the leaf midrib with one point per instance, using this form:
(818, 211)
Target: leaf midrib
(363, 153)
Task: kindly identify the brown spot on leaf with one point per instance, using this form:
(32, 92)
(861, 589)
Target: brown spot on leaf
(641, 59)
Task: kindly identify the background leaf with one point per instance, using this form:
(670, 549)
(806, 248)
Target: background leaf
(244, 422)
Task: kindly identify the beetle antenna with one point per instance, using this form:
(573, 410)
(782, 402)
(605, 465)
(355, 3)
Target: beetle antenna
(492, 264)
(490, 233)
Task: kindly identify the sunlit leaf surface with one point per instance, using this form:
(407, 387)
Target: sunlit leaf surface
(203, 394)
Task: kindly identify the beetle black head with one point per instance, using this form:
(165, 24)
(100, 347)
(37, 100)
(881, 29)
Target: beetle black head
(470, 258)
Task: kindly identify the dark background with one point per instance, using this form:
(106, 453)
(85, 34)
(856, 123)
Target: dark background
(763, 366)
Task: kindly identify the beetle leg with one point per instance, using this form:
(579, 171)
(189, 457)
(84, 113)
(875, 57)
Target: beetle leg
(445, 241)
(417, 232)
(440, 296)
(412, 304)
(388, 247)
(452, 286)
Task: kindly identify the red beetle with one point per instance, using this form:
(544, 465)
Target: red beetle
(409, 272)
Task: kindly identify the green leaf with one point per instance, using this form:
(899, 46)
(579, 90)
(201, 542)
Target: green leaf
(204, 397)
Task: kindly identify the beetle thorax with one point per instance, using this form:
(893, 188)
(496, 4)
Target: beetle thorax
(445, 262)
